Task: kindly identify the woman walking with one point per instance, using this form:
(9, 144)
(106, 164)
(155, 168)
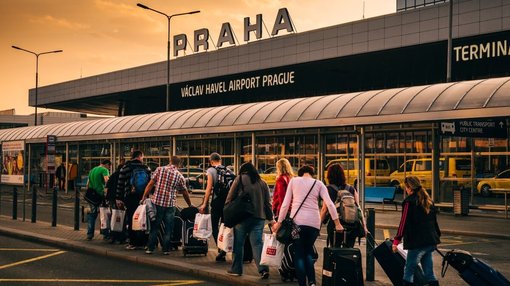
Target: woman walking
(284, 173)
(305, 191)
(249, 182)
(420, 231)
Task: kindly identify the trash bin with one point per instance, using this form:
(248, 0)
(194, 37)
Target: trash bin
(461, 201)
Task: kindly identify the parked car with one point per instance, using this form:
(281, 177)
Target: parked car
(192, 175)
(377, 171)
(422, 168)
(500, 181)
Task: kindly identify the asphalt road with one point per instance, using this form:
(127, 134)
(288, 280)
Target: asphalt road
(28, 263)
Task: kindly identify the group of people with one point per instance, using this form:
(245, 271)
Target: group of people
(299, 197)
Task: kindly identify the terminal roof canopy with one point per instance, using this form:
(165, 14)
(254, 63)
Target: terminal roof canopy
(459, 100)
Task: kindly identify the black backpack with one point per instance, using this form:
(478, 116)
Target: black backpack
(224, 180)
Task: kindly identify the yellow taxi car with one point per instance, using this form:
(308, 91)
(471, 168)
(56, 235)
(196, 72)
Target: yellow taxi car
(422, 168)
(500, 181)
(377, 171)
(269, 175)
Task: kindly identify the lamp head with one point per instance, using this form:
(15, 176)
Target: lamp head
(142, 6)
(194, 12)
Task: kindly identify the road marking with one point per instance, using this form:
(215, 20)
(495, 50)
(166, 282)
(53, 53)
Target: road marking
(167, 282)
(30, 249)
(386, 233)
(31, 259)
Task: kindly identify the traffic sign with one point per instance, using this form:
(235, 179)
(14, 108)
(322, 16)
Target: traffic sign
(483, 128)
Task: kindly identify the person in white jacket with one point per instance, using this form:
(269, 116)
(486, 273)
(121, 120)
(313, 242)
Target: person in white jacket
(306, 190)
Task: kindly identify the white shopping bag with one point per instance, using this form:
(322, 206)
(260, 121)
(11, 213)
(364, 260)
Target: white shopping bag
(140, 218)
(402, 251)
(272, 251)
(226, 238)
(117, 222)
(105, 216)
(203, 226)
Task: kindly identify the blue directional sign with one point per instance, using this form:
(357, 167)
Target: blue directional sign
(483, 128)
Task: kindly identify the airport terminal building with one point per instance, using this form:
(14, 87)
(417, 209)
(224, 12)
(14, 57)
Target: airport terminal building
(372, 95)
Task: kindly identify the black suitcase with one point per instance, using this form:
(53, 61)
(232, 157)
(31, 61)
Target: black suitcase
(287, 269)
(342, 266)
(176, 238)
(393, 264)
(191, 245)
(473, 270)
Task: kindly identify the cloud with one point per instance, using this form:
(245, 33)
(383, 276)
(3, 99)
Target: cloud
(59, 22)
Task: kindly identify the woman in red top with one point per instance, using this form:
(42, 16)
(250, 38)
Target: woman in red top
(284, 173)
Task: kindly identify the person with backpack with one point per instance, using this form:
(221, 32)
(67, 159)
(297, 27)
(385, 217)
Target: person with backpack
(167, 181)
(98, 177)
(133, 178)
(111, 190)
(249, 182)
(219, 180)
(302, 198)
(419, 229)
(284, 173)
(346, 199)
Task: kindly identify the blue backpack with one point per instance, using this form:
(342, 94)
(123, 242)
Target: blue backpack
(139, 180)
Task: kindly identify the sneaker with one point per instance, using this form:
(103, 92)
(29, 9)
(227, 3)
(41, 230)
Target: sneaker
(231, 273)
(312, 284)
(166, 253)
(148, 251)
(130, 247)
(221, 257)
(89, 238)
(264, 274)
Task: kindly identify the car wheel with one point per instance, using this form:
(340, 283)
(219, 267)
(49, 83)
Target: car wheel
(397, 186)
(485, 191)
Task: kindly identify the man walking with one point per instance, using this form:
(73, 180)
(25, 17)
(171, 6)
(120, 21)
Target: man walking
(60, 173)
(133, 178)
(219, 190)
(98, 177)
(167, 181)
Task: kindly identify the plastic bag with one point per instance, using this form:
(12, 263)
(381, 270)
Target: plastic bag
(140, 218)
(105, 216)
(272, 251)
(226, 238)
(117, 221)
(203, 226)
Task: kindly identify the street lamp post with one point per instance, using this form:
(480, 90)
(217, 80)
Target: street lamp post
(169, 17)
(36, 72)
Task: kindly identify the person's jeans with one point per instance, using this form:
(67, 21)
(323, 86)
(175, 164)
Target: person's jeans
(252, 227)
(165, 215)
(303, 260)
(420, 255)
(91, 219)
(216, 214)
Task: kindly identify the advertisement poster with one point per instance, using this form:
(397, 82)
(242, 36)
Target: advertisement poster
(13, 153)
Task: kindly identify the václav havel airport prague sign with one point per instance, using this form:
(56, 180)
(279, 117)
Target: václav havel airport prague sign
(490, 128)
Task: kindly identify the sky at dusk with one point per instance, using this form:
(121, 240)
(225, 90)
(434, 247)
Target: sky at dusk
(100, 36)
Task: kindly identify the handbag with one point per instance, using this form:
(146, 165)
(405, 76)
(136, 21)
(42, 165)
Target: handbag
(289, 230)
(92, 197)
(238, 209)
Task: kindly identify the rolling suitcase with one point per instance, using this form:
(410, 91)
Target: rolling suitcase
(472, 270)
(191, 245)
(393, 264)
(287, 269)
(342, 265)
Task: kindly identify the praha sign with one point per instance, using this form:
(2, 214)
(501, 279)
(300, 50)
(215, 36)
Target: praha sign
(226, 35)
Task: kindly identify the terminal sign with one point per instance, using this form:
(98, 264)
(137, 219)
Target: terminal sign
(496, 128)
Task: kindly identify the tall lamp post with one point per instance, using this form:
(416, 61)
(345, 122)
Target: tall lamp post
(169, 17)
(36, 72)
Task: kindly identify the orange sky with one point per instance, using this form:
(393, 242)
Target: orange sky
(100, 36)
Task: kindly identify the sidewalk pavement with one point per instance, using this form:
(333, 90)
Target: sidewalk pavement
(476, 224)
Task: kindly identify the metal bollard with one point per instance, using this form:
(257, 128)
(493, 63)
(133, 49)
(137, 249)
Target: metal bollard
(76, 208)
(370, 273)
(15, 203)
(34, 204)
(54, 207)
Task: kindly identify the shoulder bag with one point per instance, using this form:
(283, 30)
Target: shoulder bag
(289, 230)
(238, 209)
